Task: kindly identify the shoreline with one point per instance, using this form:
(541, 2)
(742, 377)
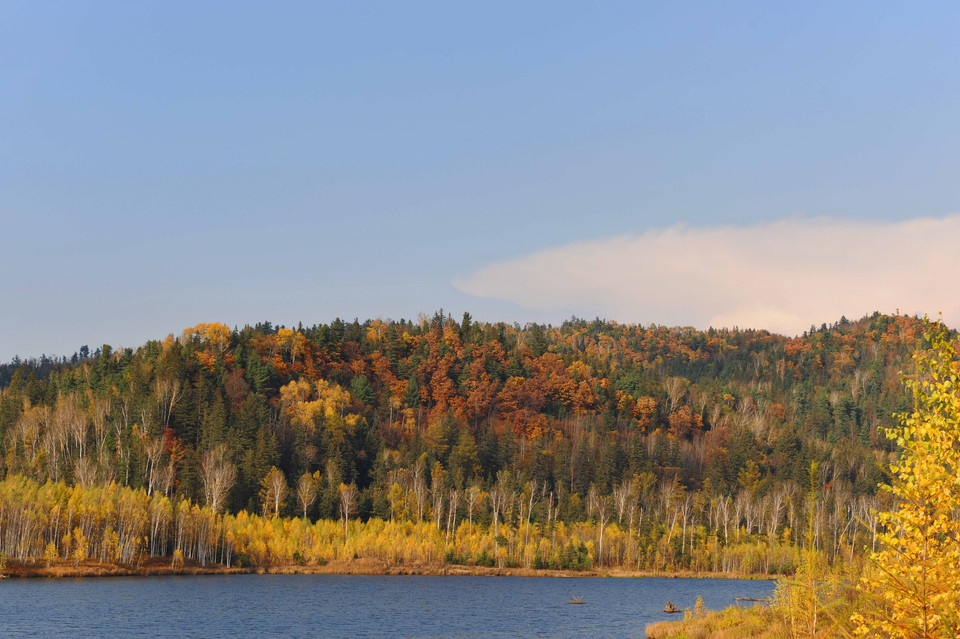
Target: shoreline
(162, 566)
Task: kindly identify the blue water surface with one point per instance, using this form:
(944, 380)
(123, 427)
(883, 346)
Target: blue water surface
(351, 606)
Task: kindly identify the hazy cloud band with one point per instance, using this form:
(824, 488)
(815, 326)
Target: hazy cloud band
(783, 276)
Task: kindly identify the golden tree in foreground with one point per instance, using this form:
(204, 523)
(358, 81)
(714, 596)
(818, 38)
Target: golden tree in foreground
(912, 588)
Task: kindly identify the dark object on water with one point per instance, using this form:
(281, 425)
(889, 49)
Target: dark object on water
(576, 600)
(671, 608)
(767, 599)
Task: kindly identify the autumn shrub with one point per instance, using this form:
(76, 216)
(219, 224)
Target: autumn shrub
(818, 598)
(755, 622)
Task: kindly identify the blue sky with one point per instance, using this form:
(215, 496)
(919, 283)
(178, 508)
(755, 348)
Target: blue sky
(163, 164)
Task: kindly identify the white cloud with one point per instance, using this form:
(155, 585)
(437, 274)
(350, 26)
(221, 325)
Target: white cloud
(782, 276)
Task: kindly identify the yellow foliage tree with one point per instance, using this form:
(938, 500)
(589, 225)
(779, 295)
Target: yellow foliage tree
(912, 589)
(273, 491)
(81, 545)
(50, 554)
(292, 341)
(214, 334)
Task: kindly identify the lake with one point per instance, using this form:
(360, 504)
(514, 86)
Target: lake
(352, 606)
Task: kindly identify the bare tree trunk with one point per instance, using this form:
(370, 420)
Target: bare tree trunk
(348, 496)
(218, 476)
(452, 503)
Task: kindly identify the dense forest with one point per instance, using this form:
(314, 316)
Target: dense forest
(905, 585)
(674, 443)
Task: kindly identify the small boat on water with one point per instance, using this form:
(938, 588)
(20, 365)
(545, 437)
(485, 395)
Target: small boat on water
(576, 600)
(671, 608)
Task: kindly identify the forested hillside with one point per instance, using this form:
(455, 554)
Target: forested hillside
(590, 421)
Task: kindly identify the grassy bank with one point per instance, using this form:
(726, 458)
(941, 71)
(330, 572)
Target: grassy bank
(754, 622)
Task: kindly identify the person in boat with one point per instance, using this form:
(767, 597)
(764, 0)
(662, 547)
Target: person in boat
(671, 608)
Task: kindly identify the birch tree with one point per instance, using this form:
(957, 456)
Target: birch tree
(273, 490)
(348, 501)
(218, 476)
(307, 488)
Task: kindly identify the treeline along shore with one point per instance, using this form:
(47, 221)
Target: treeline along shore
(59, 530)
(457, 445)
